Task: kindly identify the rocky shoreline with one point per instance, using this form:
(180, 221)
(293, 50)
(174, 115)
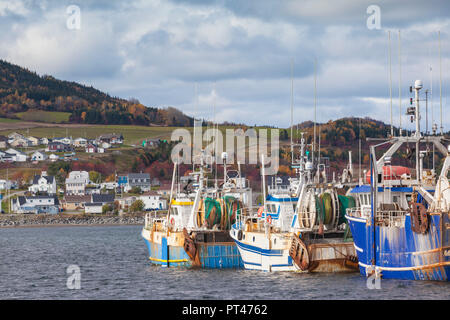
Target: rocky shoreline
(21, 220)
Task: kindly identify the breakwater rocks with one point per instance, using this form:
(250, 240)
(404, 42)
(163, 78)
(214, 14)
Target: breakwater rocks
(32, 220)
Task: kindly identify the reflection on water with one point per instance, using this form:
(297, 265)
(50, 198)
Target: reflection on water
(114, 265)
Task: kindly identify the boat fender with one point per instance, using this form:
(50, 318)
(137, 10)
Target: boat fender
(269, 219)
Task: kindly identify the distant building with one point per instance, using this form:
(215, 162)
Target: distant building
(43, 183)
(153, 201)
(75, 202)
(80, 142)
(34, 140)
(20, 143)
(131, 180)
(90, 148)
(17, 155)
(58, 147)
(76, 182)
(3, 142)
(93, 207)
(35, 204)
(38, 156)
(53, 157)
(164, 189)
(6, 157)
(111, 138)
(103, 198)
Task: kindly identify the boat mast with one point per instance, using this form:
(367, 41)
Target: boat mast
(390, 81)
(292, 110)
(440, 81)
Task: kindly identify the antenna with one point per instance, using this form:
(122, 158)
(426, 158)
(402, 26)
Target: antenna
(315, 105)
(292, 109)
(440, 80)
(400, 82)
(390, 81)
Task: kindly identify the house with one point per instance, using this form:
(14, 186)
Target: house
(80, 142)
(131, 180)
(20, 142)
(34, 140)
(75, 202)
(64, 140)
(93, 207)
(76, 182)
(111, 138)
(153, 201)
(44, 141)
(15, 135)
(103, 198)
(3, 142)
(126, 201)
(38, 156)
(5, 184)
(43, 183)
(58, 147)
(17, 156)
(6, 157)
(164, 189)
(90, 148)
(53, 157)
(35, 204)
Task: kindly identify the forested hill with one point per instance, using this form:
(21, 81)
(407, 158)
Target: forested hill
(22, 90)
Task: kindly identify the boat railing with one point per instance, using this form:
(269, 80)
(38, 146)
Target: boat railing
(359, 212)
(152, 220)
(390, 218)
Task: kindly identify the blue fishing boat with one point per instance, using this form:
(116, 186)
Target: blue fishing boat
(401, 224)
(195, 231)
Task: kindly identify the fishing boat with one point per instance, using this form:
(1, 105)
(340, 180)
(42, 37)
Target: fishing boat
(401, 224)
(300, 228)
(195, 232)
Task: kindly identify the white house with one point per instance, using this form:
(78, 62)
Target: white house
(34, 140)
(44, 140)
(76, 182)
(80, 142)
(17, 155)
(5, 184)
(20, 142)
(153, 201)
(53, 157)
(93, 207)
(38, 156)
(35, 204)
(43, 183)
(64, 140)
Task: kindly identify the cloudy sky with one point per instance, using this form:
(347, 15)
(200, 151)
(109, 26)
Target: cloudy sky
(238, 53)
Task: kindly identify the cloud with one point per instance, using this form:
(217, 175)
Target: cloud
(157, 50)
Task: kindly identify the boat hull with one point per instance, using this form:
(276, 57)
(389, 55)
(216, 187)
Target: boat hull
(401, 253)
(167, 250)
(261, 253)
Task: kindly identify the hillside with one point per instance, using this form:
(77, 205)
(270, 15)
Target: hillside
(22, 90)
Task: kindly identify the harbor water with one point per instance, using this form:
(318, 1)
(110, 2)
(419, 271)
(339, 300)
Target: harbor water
(113, 264)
